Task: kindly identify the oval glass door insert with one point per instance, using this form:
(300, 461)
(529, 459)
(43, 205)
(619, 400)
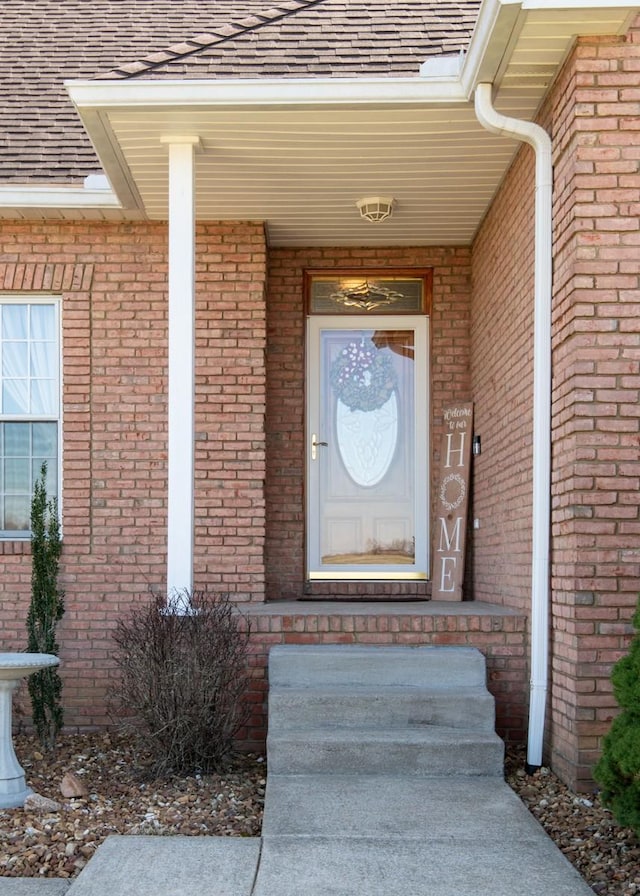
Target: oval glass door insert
(367, 440)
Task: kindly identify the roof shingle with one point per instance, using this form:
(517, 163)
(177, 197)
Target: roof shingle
(45, 42)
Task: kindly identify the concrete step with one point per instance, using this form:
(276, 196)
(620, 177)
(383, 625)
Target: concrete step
(424, 750)
(389, 707)
(319, 665)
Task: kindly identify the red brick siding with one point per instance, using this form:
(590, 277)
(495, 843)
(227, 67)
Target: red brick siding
(502, 388)
(592, 114)
(112, 280)
(449, 381)
(595, 108)
(230, 410)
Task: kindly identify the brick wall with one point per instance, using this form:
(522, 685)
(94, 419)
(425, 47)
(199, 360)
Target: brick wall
(595, 109)
(230, 410)
(592, 114)
(502, 391)
(449, 375)
(112, 280)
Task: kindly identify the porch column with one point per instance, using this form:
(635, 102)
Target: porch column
(180, 519)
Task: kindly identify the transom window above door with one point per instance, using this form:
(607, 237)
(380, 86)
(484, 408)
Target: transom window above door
(368, 292)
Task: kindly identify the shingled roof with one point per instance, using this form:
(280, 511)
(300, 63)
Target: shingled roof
(329, 38)
(45, 42)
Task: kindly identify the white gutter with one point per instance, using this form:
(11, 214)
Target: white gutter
(57, 197)
(97, 95)
(494, 30)
(537, 138)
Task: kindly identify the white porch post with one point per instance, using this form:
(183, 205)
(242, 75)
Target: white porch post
(180, 521)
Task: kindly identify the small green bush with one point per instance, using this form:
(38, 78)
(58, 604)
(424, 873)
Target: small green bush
(183, 679)
(618, 770)
(45, 611)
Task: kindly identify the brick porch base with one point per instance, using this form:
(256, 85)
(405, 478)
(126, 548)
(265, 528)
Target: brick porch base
(500, 633)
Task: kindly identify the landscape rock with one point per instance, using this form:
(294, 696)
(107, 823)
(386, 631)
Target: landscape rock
(37, 803)
(72, 787)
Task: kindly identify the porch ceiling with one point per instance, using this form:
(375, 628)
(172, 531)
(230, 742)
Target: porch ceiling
(302, 168)
(298, 154)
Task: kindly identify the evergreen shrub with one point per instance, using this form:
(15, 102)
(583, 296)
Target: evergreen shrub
(618, 770)
(45, 611)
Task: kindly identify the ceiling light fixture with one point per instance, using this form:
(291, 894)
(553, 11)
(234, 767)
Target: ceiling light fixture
(375, 208)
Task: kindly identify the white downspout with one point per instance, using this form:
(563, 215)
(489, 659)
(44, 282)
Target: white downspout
(537, 138)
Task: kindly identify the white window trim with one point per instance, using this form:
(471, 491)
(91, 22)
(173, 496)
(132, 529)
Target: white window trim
(56, 301)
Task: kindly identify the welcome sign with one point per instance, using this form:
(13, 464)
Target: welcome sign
(452, 501)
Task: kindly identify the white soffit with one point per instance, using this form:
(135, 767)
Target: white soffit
(302, 169)
(544, 34)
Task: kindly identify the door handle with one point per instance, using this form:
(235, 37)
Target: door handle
(315, 445)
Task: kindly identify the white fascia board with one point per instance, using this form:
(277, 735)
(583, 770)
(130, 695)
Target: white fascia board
(263, 92)
(56, 197)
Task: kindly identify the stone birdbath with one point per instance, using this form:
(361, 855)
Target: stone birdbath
(13, 667)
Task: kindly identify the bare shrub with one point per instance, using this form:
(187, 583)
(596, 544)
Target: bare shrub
(183, 680)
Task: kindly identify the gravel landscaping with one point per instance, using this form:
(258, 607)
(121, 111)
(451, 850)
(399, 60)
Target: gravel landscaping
(114, 796)
(119, 800)
(607, 856)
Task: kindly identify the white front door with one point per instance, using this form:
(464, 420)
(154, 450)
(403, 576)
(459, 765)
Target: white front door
(367, 447)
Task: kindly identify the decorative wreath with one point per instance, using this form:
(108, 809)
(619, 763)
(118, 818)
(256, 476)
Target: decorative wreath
(362, 377)
(448, 496)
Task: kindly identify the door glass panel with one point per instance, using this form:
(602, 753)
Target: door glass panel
(367, 440)
(367, 510)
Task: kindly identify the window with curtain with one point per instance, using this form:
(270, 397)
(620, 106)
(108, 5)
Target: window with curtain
(29, 406)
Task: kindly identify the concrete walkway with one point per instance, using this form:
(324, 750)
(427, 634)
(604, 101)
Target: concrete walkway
(343, 836)
(385, 778)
